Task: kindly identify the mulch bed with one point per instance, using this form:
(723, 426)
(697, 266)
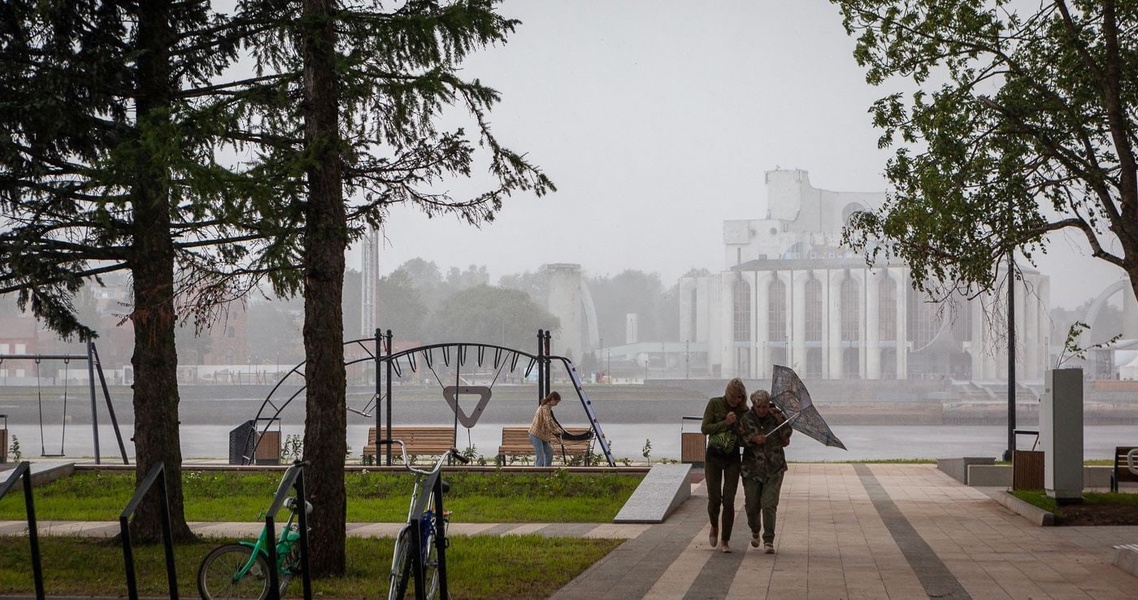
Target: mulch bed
(1097, 514)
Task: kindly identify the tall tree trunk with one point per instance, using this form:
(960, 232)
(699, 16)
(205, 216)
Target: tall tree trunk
(325, 241)
(155, 359)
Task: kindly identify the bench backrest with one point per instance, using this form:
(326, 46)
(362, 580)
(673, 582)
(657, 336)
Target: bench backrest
(1121, 468)
(418, 439)
(518, 437)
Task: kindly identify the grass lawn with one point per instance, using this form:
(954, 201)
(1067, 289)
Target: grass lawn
(373, 497)
(513, 566)
(478, 567)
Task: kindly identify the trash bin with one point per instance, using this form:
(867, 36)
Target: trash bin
(268, 450)
(241, 442)
(1027, 470)
(692, 443)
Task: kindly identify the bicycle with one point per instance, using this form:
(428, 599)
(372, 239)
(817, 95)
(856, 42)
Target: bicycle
(431, 541)
(241, 570)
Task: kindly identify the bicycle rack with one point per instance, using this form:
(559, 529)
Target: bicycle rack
(23, 470)
(293, 477)
(157, 473)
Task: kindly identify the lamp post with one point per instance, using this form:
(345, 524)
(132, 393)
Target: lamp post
(687, 361)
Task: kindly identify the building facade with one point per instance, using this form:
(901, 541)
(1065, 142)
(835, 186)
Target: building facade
(790, 294)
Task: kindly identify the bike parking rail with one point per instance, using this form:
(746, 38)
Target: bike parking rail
(157, 474)
(23, 471)
(293, 478)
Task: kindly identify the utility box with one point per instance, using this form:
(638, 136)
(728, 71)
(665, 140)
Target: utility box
(1061, 435)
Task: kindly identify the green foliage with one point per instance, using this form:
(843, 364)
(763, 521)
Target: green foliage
(293, 448)
(1018, 125)
(14, 452)
(1072, 349)
(646, 451)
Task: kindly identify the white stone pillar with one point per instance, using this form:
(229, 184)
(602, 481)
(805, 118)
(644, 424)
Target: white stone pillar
(871, 310)
(761, 291)
(727, 327)
(797, 354)
(902, 279)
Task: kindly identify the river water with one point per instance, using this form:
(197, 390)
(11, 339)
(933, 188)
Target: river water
(42, 427)
(864, 442)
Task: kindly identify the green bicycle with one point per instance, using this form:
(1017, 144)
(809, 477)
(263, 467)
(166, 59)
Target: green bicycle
(241, 570)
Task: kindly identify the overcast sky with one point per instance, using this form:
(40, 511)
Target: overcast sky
(657, 120)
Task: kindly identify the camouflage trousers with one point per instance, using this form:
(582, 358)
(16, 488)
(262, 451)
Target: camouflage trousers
(761, 503)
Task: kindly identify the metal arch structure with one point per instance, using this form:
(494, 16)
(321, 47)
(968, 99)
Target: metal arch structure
(453, 355)
(94, 367)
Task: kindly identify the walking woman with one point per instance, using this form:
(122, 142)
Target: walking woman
(544, 429)
(721, 462)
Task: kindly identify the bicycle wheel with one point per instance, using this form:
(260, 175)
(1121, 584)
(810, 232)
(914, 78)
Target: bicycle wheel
(431, 568)
(218, 579)
(400, 565)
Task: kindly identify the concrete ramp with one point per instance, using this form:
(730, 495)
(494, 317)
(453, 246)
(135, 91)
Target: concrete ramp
(663, 489)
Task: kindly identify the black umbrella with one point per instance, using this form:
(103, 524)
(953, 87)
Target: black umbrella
(789, 394)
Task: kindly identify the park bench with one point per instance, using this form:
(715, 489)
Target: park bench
(515, 443)
(419, 440)
(1121, 471)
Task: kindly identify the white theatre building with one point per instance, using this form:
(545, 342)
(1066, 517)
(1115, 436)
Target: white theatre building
(790, 294)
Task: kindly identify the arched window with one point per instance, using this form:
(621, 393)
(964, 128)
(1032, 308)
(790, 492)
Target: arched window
(887, 309)
(814, 312)
(851, 363)
(814, 363)
(776, 311)
(923, 319)
(888, 363)
(742, 327)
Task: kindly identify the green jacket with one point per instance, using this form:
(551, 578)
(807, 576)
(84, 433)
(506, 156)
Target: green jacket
(760, 461)
(715, 417)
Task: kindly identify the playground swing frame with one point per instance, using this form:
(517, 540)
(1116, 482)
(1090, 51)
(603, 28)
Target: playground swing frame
(94, 366)
(387, 366)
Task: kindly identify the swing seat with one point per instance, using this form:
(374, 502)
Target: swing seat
(569, 436)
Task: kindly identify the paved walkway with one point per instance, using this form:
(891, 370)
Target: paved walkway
(845, 531)
(868, 531)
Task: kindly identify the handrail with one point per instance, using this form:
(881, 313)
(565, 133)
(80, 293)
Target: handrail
(157, 473)
(24, 471)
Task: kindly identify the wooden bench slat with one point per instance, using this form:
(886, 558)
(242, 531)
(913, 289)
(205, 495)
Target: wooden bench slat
(419, 440)
(515, 442)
